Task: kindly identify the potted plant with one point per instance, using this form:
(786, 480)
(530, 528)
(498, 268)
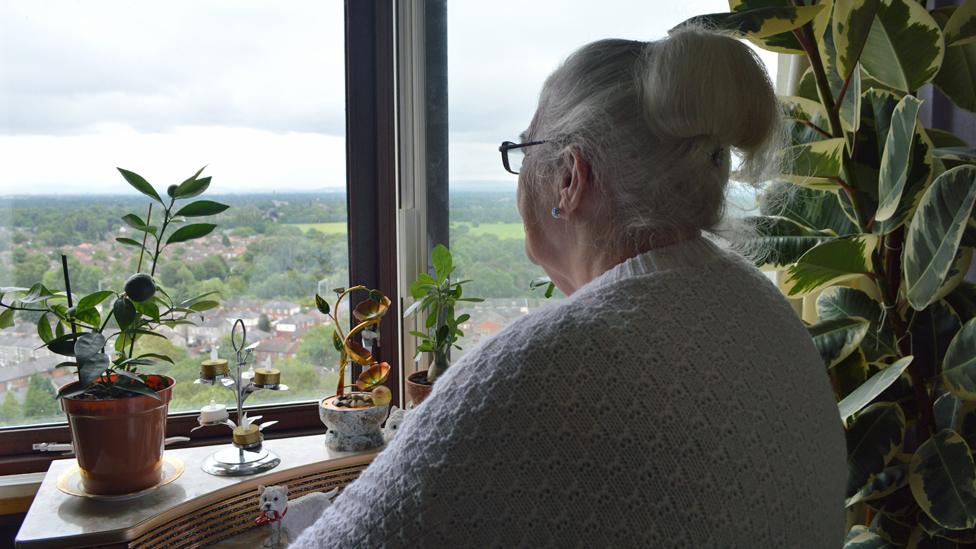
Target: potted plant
(353, 419)
(117, 414)
(873, 223)
(436, 297)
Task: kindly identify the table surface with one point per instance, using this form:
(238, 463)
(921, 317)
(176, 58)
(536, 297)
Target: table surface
(55, 514)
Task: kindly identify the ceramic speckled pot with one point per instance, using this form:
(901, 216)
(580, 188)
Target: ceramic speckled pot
(352, 429)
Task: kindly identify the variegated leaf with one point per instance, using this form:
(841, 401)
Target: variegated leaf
(896, 157)
(961, 28)
(873, 439)
(783, 42)
(813, 165)
(942, 477)
(851, 23)
(932, 329)
(781, 240)
(835, 339)
(871, 388)
(935, 232)
(904, 48)
(866, 539)
(845, 91)
(886, 482)
(959, 365)
(811, 208)
(921, 171)
(806, 119)
(830, 263)
(842, 302)
(758, 23)
(957, 76)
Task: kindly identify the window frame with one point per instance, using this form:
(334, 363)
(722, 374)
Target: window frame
(371, 195)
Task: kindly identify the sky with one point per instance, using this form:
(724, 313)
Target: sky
(255, 90)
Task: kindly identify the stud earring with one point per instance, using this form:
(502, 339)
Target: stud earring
(556, 212)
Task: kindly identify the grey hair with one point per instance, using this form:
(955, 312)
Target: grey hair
(658, 123)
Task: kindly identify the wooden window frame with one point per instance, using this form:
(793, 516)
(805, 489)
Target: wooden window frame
(371, 195)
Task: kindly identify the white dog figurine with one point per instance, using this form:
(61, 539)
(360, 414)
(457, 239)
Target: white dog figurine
(393, 421)
(290, 516)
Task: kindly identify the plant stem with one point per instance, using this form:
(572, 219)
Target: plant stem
(159, 237)
(145, 236)
(891, 248)
(804, 35)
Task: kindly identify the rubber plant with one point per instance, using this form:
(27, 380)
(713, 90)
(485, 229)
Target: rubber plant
(436, 298)
(368, 314)
(873, 219)
(81, 330)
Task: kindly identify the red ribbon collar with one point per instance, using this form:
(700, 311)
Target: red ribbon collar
(263, 518)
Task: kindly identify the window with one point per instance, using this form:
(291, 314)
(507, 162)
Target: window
(497, 61)
(258, 95)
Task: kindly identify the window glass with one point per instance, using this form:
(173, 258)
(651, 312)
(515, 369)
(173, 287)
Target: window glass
(497, 62)
(252, 90)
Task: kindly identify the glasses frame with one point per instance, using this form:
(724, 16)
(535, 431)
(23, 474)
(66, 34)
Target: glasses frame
(508, 145)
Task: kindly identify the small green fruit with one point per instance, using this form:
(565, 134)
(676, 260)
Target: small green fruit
(140, 287)
(171, 191)
(382, 395)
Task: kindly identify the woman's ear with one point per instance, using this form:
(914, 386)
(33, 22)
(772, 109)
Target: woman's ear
(575, 182)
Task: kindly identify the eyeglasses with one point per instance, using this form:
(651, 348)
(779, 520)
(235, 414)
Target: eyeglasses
(513, 155)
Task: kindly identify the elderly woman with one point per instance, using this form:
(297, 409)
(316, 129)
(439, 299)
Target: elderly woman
(673, 399)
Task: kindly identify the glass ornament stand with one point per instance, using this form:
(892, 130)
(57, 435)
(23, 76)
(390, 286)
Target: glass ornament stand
(245, 456)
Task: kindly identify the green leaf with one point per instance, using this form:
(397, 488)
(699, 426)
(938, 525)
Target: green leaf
(806, 119)
(841, 302)
(784, 42)
(443, 262)
(865, 539)
(963, 300)
(44, 329)
(837, 338)
(137, 223)
(157, 356)
(932, 329)
(322, 305)
(818, 210)
(7, 319)
(414, 307)
(896, 157)
(935, 232)
(781, 241)
(830, 263)
(957, 272)
(91, 367)
(140, 184)
(920, 172)
(202, 208)
(852, 20)
(961, 27)
(904, 48)
(204, 305)
(190, 232)
(192, 186)
(756, 23)
(943, 480)
(37, 293)
(88, 345)
(148, 308)
(136, 386)
(124, 311)
(873, 439)
(336, 341)
(884, 483)
(846, 89)
(128, 241)
(873, 387)
(815, 165)
(957, 77)
(92, 300)
(959, 365)
(63, 345)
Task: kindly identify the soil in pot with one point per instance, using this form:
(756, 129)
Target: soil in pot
(418, 388)
(119, 442)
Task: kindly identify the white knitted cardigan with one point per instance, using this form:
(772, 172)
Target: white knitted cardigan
(674, 401)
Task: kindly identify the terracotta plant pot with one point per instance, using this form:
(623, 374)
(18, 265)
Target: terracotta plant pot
(417, 387)
(352, 429)
(119, 442)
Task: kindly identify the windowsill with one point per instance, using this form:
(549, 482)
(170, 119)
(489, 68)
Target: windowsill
(57, 519)
(17, 492)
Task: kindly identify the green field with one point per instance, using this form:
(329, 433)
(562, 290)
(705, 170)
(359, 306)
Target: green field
(338, 227)
(501, 230)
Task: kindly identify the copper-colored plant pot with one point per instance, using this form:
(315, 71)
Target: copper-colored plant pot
(417, 387)
(119, 442)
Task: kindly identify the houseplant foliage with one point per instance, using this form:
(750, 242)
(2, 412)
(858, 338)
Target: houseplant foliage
(873, 218)
(436, 297)
(100, 330)
(117, 415)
